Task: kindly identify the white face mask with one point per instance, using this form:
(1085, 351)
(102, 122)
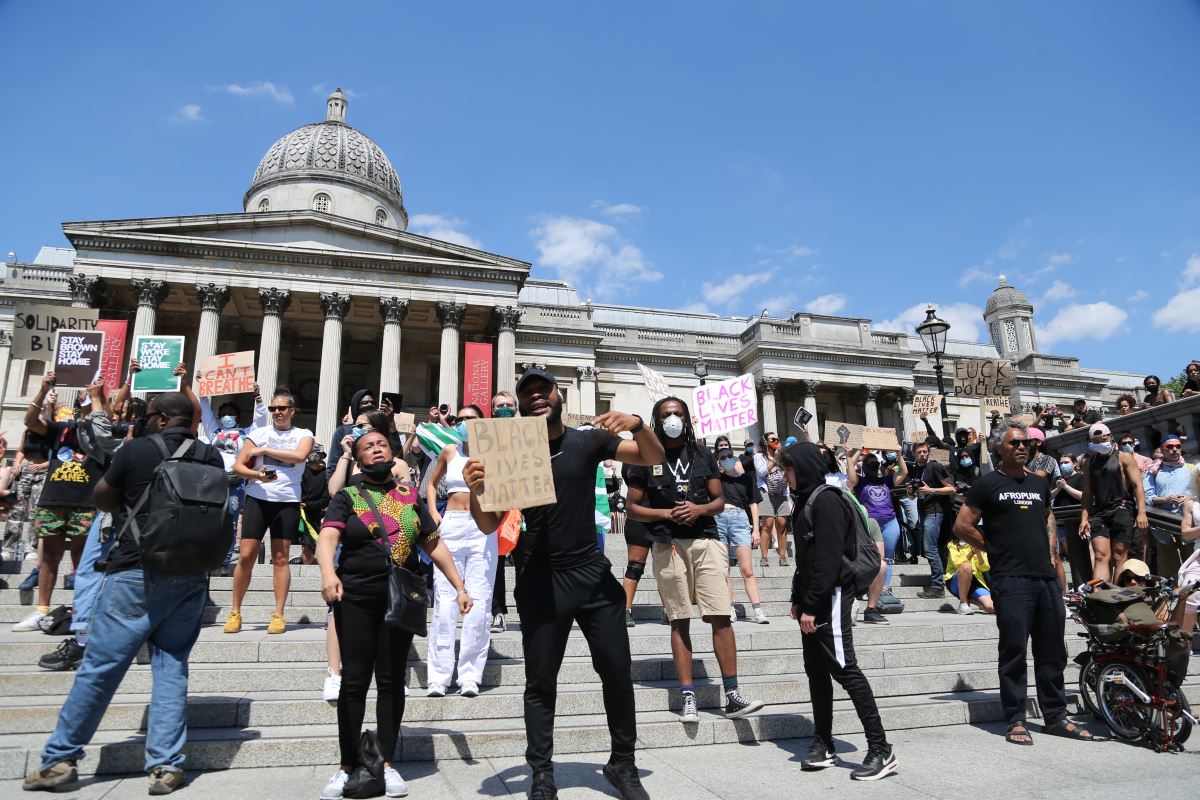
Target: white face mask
(672, 426)
(1103, 448)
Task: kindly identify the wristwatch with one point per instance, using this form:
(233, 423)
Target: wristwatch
(641, 424)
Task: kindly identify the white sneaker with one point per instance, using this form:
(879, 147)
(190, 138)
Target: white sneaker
(406, 691)
(963, 608)
(332, 688)
(29, 624)
(436, 690)
(733, 613)
(760, 617)
(393, 783)
(337, 784)
(469, 689)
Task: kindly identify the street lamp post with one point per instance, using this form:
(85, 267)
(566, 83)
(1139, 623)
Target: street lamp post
(701, 369)
(933, 337)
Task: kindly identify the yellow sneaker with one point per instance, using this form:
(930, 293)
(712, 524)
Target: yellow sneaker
(234, 623)
(277, 624)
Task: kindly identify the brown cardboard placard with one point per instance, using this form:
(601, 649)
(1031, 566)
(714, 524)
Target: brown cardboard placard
(880, 439)
(844, 434)
(516, 457)
(575, 420)
(983, 377)
(404, 421)
(225, 373)
(926, 404)
(1001, 404)
(939, 455)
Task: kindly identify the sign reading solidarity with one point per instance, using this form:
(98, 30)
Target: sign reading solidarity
(114, 351)
(844, 434)
(78, 357)
(157, 356)
(983, 377)
(516, 458)
(34, 328)
(724, 406)
(656, 384)
(880, 439)
(226, 373)
(927, 404)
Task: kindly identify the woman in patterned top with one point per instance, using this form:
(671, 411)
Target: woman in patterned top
(358, 589)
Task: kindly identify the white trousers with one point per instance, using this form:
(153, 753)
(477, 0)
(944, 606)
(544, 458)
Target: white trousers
(475, 556)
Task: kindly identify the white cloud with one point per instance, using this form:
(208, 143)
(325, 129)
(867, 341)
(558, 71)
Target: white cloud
(279, 94)
(1095, 321)
(445, 228)
(616, 209)
(1057, 259)
(586, 251)
(1059, 290)
(779, 305)
(826, 304)
(1138, 296)
(733, 286)
(1191, 273)
(977, 273)
(799, 251)
(695, 308)
(966, 320)
(189, 113)
(1179, 314)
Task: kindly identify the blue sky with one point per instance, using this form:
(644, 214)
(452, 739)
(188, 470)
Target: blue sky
(851, 158)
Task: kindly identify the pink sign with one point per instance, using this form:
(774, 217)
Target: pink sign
(114, 352)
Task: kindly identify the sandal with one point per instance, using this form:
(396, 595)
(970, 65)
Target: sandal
(762, 562)
(1018, 734)
(1068, 730)
(782, 561)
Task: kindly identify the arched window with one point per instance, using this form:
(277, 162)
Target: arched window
(380, 217)
(321, 203)
(264, 204)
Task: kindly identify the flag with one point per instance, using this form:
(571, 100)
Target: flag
(603, 510)
(432, 438)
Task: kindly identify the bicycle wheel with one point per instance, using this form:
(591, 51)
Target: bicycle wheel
(1120, 707)
(1087, 687)
(1181, 726)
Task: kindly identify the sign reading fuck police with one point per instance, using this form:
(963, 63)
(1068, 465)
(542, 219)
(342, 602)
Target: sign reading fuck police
(516, 460)
(724, 406)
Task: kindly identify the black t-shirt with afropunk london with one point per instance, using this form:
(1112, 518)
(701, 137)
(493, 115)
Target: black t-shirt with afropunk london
(1014, 523)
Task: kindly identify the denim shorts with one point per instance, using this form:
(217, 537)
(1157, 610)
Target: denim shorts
(733, 526)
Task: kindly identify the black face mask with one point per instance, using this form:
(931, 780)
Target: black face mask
(379, 472)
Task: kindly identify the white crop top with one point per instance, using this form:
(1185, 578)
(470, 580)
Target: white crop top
(454, 475)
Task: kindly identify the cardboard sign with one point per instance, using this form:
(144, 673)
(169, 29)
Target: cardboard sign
(844, 434)
(575, 420)
(226, 373)
(516, 458)
(477, 376)
(880, 439)
(983, 377)
(34, 328)
(724, 406)
(114, 351)
(1001, 404)
(656, 384)
(939, 455)
(927, 404)
(404, 421)
(157, 356)
(77, 358)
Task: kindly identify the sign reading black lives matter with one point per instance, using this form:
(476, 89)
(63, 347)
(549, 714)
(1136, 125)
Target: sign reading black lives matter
(34, 328)
(516, 459)
(983, 378)
(77, 358)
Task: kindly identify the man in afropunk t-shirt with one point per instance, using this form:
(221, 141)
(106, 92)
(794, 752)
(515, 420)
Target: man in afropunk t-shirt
(564, 578)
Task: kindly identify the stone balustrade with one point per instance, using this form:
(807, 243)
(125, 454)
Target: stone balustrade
(1182, 416)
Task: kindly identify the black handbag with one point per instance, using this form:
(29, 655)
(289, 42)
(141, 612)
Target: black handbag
(366, 778)
(407, 594)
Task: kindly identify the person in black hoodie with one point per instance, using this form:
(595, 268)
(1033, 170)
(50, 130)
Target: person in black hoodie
(361, 402)
(823, 603)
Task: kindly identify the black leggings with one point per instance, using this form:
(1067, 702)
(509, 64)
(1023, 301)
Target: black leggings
(368, 644)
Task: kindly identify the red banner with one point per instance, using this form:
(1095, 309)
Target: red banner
(477, 376)
(114, 352)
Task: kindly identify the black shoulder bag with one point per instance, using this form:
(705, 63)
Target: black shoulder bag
(406, 589)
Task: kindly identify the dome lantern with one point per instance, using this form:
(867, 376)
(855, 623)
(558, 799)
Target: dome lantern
(1009, 317)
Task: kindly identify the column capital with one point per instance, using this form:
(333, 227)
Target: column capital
(528, 365)
(767, 385)
(507, 318)
(904, 394)
(588, 373)
(450, 314)
(149, 292)
(394, 310)
(6, 338)
(212, 297)
(808, 387)
(85, 288)
(335, 305)
(274, 301)
(871, 390)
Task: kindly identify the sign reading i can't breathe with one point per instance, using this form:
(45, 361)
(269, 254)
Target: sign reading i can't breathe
(724, 406)
(982, 377)
(516, 459)
(225, 373)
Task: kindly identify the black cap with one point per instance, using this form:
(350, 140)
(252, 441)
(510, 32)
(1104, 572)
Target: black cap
(535, 372)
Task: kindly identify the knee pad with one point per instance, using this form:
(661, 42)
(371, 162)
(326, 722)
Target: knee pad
(634, 570)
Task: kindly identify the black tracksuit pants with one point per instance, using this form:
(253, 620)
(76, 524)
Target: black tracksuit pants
(500, 588)
(828, 657)
(1031, 609)
(549, 600)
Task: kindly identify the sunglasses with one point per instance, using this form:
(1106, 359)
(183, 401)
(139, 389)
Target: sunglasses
(278, 409)
(772, 440)
(1018, 443)
(1172, 447)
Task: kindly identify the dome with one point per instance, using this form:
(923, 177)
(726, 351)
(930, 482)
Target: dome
(1006, 296)
(330, 154)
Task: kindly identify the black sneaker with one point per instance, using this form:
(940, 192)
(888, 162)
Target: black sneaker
(629, 618)
(879, 764)
(819, 756)
(68, 656)
(932, 593)
(737, 706)
(542, 787)
(623, 775)
(874, 616)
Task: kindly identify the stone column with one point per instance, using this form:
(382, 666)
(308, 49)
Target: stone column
(871, 392)
(809, 390)
(275, 303)
(5, 364)
(150, 295)
(213, 299)
(451, 315)
(335, 305)
(769, 419)
(587, 390)
(393, 310)
(507, 320)
(905, 397)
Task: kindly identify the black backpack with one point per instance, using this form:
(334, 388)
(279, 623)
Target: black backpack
(187, 528)
(860, 565)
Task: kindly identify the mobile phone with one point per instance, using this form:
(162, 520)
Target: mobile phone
(269, 474)
(395, 398)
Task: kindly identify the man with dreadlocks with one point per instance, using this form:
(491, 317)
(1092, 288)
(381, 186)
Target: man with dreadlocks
(678, 501)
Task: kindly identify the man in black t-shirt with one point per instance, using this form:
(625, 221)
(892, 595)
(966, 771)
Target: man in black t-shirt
(136, 608)
(1084, 416)
(1018, 534)
(564, 578)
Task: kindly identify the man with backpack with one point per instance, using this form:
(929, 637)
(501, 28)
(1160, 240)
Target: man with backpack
(835, 559)
(176, 490)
